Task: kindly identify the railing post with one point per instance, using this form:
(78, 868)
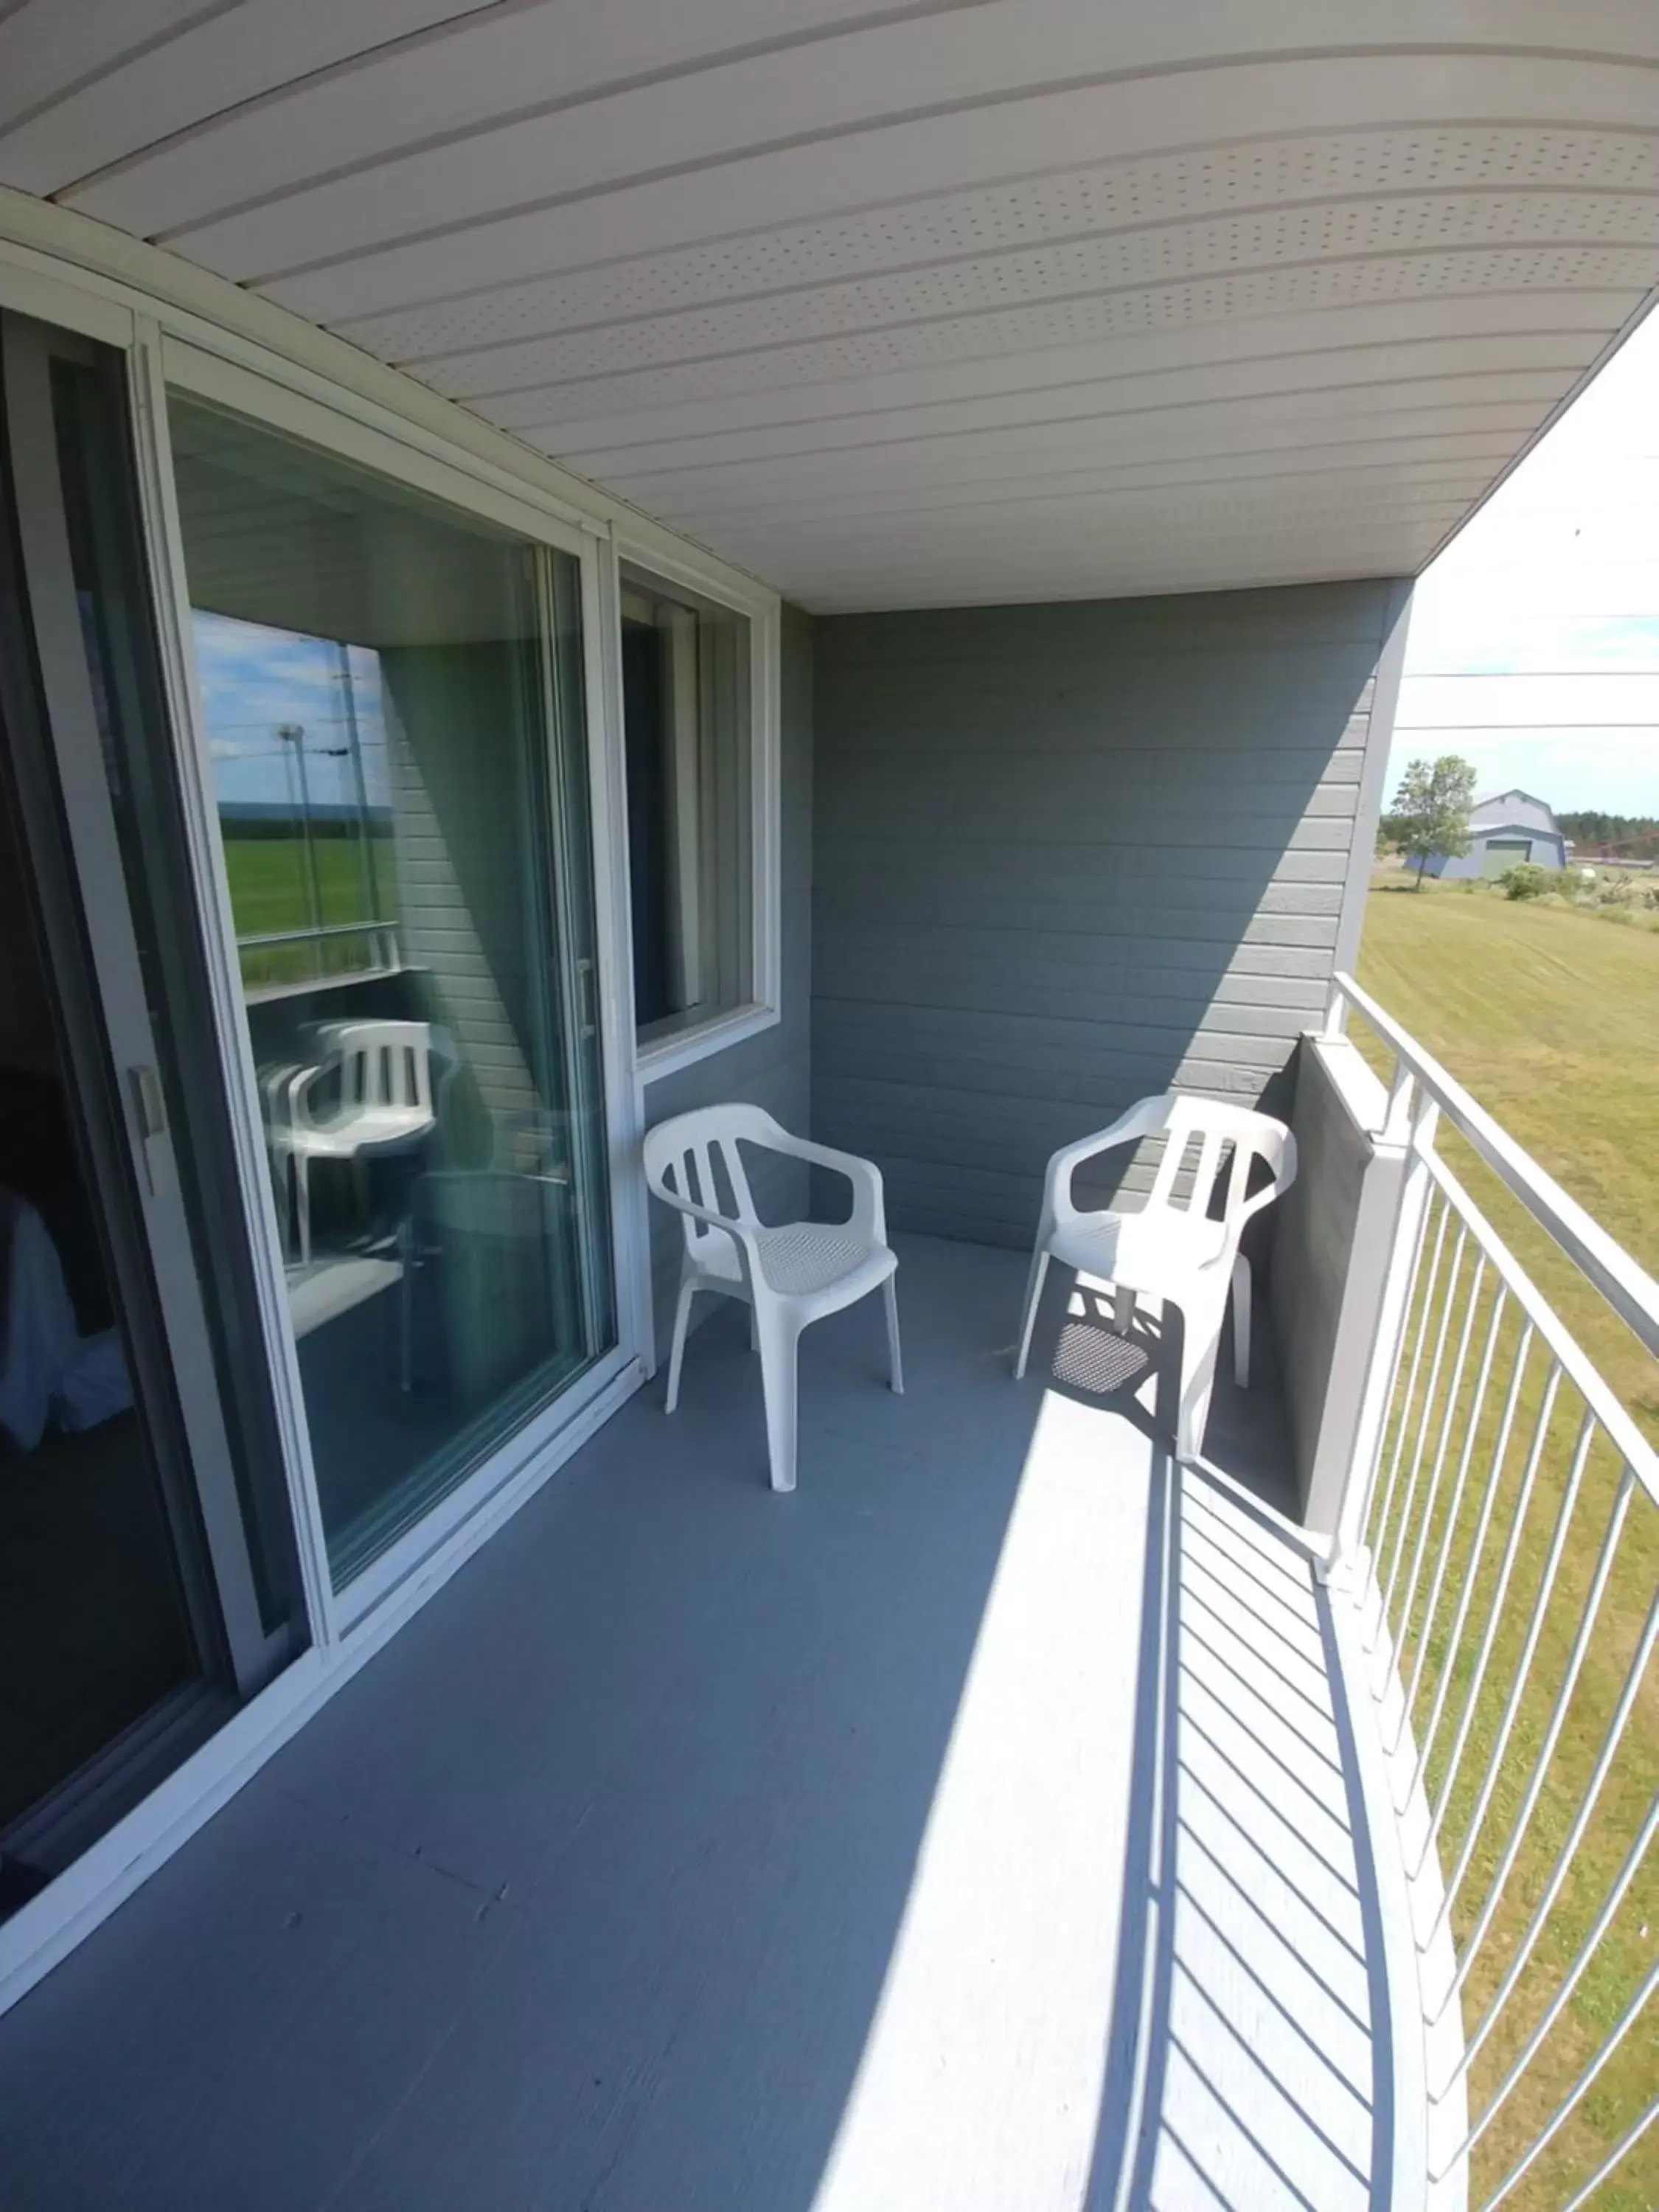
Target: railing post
(1407, 1131)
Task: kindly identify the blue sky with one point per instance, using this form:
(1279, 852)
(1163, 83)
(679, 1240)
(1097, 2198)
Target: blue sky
(254, 678)
(1534, 647)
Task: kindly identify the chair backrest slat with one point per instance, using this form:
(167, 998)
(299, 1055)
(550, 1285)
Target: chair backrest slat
(1224, 1136)
(1209, 1160)
(698, 1156)
(386, 1064)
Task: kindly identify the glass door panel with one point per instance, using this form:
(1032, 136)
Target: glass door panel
(96, 1624)
(393, 701)
(147, 1581)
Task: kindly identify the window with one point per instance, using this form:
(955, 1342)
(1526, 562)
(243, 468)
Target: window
(691, 769)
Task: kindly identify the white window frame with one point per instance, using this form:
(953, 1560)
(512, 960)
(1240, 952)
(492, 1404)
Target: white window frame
(165, 314)
(710, 580)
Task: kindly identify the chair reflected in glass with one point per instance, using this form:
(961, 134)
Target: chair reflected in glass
(378, 1076)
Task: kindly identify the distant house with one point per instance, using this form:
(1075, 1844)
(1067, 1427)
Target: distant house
(1509, 826)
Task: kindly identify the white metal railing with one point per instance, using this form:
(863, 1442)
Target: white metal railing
(380, 940)
(1501, 1541)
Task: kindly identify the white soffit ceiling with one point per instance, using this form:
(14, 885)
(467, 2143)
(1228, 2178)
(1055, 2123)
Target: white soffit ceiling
(969, 301)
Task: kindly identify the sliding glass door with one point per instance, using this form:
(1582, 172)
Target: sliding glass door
(148, 1579)
(306, 1233)
(391, 690)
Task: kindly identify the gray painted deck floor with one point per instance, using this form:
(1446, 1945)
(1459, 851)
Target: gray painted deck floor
(891, 1845)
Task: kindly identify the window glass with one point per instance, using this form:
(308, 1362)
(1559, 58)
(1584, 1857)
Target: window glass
(391, 691)
(112, 591)
(686, 709)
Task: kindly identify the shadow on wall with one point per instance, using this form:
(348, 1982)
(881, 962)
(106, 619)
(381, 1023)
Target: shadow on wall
(1067, 857)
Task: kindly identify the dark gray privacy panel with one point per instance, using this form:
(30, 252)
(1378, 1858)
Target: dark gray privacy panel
(773, 1069)
(1069, 855)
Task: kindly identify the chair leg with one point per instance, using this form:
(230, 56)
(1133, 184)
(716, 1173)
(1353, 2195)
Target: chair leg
(754, 1328)
(1033, 1296)
(1201, 1341)
(1124, 1309)
(778, 1342)
(405, 1304)
(682, 1316)
(1242, 1321)
(895, 1363)
(281, 1180)
(302, 1196)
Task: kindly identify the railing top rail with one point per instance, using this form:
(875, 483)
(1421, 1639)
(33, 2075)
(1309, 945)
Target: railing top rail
(1627, 1440)
(304, 936)
(1628, 1288)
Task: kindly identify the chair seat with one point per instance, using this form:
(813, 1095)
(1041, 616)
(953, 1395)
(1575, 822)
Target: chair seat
(363, 1131)
(1144, 1252)
(803, 1258)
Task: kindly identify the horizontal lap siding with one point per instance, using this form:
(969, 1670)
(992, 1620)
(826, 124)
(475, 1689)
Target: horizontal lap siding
(1065, 856)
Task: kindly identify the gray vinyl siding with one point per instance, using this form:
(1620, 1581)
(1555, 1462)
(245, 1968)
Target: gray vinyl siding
(461, 805)
(774, 1068)
(1069, 855)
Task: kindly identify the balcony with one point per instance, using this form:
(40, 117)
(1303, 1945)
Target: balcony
(893, 1843)
(1009, 1819)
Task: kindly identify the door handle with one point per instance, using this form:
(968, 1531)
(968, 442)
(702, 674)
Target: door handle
(150, 1111)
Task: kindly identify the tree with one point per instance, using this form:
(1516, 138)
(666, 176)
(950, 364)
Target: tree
(1431, 812)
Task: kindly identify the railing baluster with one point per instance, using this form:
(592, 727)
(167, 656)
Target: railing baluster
(1570, 1981)
(1454, 1391)
(1626, 2143)
(1489, 1636)
(1529, 1653)
(1454, 1509)
(1375, 1476)
(1477, 1551)
(1424, 1417)
(1564, 1689)
(1523, 1949)
(1426, 1308)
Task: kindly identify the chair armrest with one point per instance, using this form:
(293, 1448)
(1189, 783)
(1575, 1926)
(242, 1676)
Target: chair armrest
(1281, 1183)
(274, 1078)
(286, 1090)
(1144, 1119)
(869, 1217)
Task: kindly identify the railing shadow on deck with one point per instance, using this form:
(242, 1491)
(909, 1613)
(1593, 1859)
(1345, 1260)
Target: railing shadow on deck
(1247, 2059)
(701, 1848)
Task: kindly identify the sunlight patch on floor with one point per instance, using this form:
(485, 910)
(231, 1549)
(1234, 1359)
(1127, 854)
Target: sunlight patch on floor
(979, 2084)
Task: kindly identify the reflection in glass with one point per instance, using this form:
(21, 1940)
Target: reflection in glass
(393, 706)
(304, 806)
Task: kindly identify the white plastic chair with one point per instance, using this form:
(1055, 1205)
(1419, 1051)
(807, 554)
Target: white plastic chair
(386, 1101)
(788, 1277)
(1171, 1249)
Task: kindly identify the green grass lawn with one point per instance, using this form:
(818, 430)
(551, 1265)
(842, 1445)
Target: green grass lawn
(1551, 1018)
(270, 891)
